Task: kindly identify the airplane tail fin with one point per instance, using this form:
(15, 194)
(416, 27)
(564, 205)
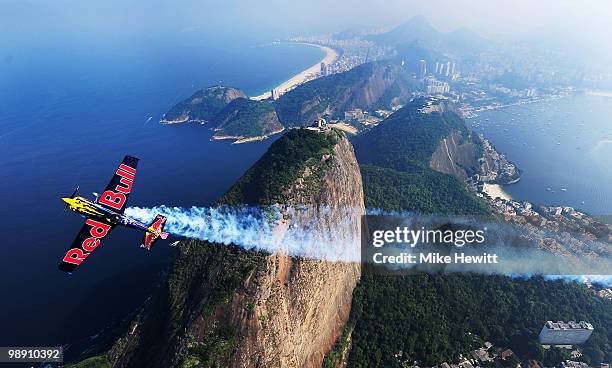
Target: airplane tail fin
(156, 231)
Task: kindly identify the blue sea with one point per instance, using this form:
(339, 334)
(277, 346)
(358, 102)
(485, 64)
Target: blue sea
(68, 114)
(563, 147)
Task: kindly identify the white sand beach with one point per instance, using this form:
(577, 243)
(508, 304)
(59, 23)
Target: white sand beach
(496, 191)
(330, 56)
(344, 127)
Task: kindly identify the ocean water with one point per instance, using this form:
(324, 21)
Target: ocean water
(563, 147)
(68, 115)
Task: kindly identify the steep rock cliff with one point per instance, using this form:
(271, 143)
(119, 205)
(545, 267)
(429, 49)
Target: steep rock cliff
(223, 306)
(367, 86)
(455, 155)
(405, 161)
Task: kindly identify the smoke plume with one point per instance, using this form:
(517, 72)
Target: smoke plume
(332, 234)
(303, 231)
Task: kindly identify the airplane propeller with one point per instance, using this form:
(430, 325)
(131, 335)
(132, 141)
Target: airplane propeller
(72, 196)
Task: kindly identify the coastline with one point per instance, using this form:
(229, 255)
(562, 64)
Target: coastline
(330, 56)
(583, 134)
(496, 191)
(344, 127)
(241, 139)
(501, 106)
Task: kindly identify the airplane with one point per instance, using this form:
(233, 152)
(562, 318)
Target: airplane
(106, 212)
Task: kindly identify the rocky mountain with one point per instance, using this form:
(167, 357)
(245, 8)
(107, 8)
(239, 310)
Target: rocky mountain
(223, 306)
(414, 134)
(367, 86)
(202, 106)
(406, 161)
(233, 116)
(415, 29)
(456, 155)
(244, 118)
(461, 41)
(410, 53)
(413, 161)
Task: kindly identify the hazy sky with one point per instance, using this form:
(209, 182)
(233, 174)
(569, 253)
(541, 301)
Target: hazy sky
(587, 21)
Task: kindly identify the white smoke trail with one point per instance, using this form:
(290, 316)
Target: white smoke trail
(334, 234)
(243, 226)
(317, 233)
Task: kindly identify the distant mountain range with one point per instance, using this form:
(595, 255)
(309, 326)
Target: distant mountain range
(461, 41)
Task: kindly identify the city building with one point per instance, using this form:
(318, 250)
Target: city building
(325, 70)
(275, 94)
(562, 333)
(354, 114)
(432, 105)
(319, 125)
(448, 68)
(436, 87)
(422, 69)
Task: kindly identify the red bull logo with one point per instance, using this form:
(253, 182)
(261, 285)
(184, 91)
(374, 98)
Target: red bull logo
(98, 231)
(116, 199)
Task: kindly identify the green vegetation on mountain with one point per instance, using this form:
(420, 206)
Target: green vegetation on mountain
(268, 179)
(420, 190)
(200, 283)
(407, 139)
(99, 361)
(203, 105)
(216, 273)
(395, 156)
(427, 317)
(244, 117)
(206, 277)
(367, 86)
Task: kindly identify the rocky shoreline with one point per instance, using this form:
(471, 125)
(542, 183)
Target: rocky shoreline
(241, 139)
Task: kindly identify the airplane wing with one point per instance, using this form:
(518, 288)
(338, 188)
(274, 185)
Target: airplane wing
(87, 240)
(116, 193)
